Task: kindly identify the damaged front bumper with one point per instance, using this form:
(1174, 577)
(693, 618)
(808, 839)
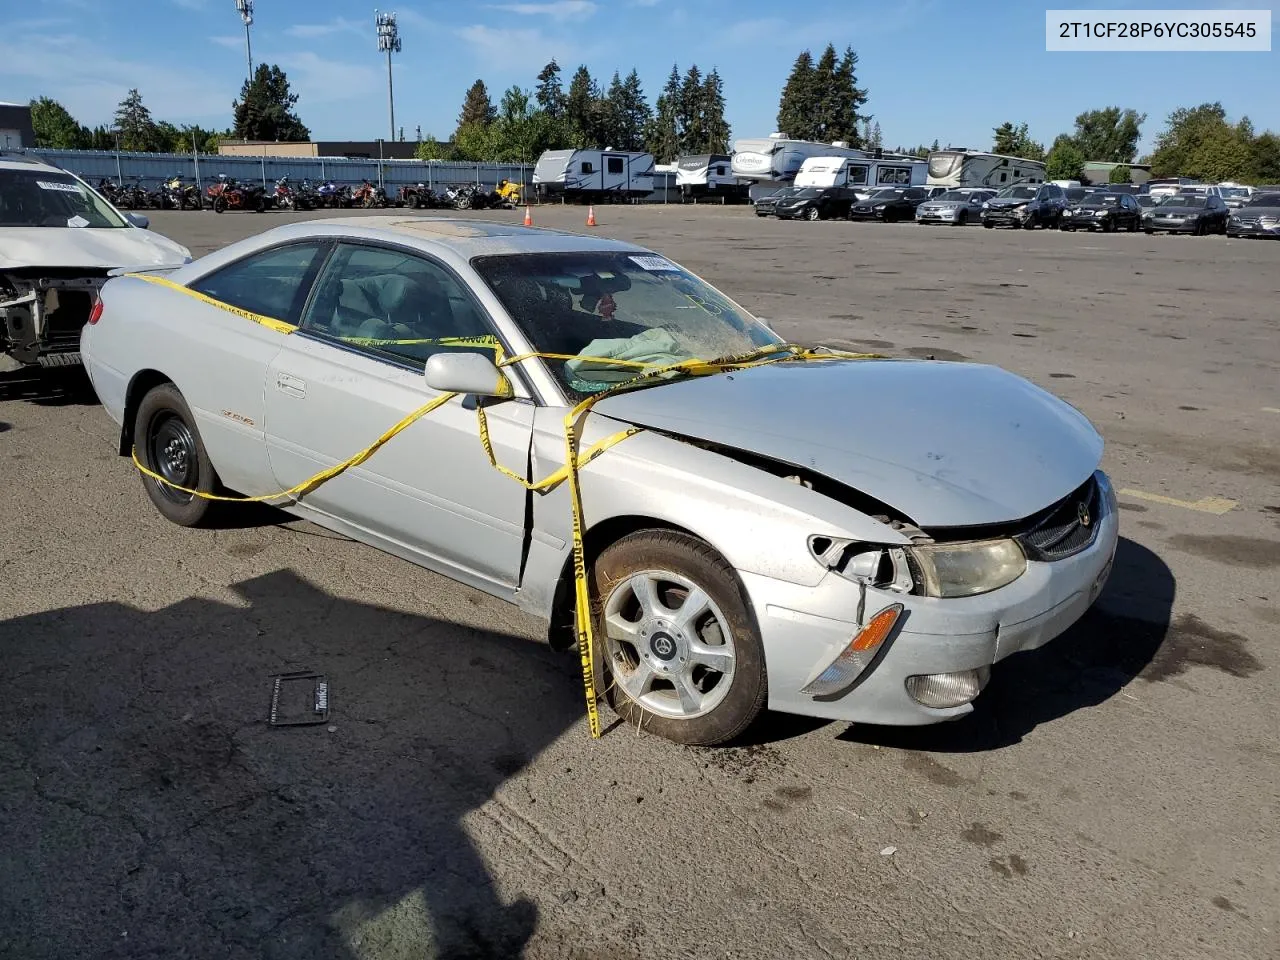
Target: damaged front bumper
(42, 313)
(938, 655)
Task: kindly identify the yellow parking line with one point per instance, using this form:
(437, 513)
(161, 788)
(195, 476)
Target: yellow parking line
(1215, 505)
(1271, 409)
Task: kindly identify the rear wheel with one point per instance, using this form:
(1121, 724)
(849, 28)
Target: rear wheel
(678, 650)
(962, 218)
(168, 443)
(219, 204)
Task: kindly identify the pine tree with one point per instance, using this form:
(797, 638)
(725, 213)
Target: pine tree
(609, 113)
(876, 140)
(581, 110)
(717, 129)
(797, 105)
(133, 121)
(849, 99)
(633, 115)
(265, 108)
(827, 112)
(477, 108)
(935, 145)
(693, 134)
(549, 94)
(663, 136)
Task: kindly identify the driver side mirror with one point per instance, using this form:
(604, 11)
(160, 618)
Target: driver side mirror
(467, 373)
(142, 223)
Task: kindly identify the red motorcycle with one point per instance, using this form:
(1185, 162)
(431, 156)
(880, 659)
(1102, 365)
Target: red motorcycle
(228, 194)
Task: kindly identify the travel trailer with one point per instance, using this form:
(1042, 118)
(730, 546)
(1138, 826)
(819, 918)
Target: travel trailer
(862, 174)
(593, 176)
(709, 177)
(974, 168)
(770, 163)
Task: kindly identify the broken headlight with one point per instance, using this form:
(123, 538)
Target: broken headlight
(966, 569)
(873, 564)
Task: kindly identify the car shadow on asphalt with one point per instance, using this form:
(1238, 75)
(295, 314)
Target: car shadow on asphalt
(1113, 644)
(151, 810)
(49, 388)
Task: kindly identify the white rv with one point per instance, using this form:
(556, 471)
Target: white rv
(709, 176)
(974, 168)
(770, 163)
(593, 176)
(862, 174)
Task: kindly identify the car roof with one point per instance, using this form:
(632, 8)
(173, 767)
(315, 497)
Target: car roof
(22, 161)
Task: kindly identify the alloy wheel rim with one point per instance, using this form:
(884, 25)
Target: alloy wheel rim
(668, 645)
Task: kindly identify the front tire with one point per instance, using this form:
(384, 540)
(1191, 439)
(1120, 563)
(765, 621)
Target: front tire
(677, 647)
(813, 214)
(168, 443)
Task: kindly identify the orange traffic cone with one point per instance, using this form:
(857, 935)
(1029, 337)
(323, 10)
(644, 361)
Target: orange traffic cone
(591, 216)
(528, 216)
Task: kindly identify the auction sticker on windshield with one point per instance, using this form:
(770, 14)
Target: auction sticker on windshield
(61, 187)
(654, 263)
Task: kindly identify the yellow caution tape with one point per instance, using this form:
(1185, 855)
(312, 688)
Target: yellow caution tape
(573, 422)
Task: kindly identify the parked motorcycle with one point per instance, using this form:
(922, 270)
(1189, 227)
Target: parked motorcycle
(333, 195)
(305, 196)
(229, 194)
(283, 196)
(175, 194)
(368, 195)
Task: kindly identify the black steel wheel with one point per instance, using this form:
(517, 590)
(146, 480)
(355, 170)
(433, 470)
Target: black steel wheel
(168, 444)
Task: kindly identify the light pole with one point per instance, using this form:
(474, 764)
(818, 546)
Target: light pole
(388, 42)
(245, 9)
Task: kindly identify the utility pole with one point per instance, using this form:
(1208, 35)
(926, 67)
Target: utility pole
(245, 9)
(388, 42)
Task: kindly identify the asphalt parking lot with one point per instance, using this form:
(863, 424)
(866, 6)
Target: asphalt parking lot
(1114, 795)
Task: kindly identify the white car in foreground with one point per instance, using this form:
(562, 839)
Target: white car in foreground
(58, 239)
(856, 539)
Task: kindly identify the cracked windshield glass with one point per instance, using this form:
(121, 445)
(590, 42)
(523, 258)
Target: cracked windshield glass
(616, 316)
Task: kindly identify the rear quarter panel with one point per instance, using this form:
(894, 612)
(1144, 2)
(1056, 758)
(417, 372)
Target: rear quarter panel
(215, 358)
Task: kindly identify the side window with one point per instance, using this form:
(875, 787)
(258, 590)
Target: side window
(271, 283)
(615, 164)
(392, 304)
(719, 171)
(586, 167)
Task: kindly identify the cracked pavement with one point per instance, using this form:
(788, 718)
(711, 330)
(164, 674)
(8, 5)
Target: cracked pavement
(1115, 794)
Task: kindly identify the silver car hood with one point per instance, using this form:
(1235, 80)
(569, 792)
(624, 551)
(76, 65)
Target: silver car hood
(86, 247)
(946, 444)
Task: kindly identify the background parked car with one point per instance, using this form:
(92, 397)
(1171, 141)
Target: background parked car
(1260, 217)
(1187, 213)
(815, 203)
(766, 206)
(954, 206)
(1025, 205)
(1105, 212)
(889, 204)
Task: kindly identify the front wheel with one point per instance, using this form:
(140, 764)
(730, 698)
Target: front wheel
(677, 648)
(813, 214)
(219, 204)
(168, 444)
(988, 224)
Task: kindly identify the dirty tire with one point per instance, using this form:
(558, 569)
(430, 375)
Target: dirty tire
(694, 560)
(163, 418)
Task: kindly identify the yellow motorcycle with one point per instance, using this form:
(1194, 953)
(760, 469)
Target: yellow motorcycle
(509, 193)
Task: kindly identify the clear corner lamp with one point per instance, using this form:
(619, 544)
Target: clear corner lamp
(388, 43)
(245, 9)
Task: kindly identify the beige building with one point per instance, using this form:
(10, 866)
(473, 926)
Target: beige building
(351, 149)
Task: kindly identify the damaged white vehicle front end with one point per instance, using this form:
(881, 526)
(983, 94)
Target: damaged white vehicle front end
(59, 241)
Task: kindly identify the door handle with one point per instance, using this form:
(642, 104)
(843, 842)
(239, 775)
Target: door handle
(288, 383)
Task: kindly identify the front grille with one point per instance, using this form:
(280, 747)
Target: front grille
(1248, 221)
(1066, 529)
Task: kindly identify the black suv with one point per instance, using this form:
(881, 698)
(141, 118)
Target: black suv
(890, 204)
(815, 203)
(1026, 205)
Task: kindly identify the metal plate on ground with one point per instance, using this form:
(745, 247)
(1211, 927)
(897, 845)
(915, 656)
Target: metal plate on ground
(60, 360)
(299, 699)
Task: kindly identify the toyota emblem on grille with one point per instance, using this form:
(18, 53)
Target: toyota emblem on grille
(1082, 513)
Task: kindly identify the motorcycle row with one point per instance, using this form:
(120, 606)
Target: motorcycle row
(227, 193)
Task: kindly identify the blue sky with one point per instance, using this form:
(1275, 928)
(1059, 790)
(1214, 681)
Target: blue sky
(923, 61)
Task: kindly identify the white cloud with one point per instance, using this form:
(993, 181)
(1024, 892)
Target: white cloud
(191, 4)
(310, 31)
(317, 80)
(231, 43)
(516, 49)
(557, 10)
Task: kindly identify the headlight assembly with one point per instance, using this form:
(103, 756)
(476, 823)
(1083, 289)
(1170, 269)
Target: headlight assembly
(966, 569)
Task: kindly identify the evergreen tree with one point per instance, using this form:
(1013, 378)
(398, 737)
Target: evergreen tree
(609, 114)
(827, 101)
(717, 129)
(663, 136)
(633, 114)
(549, 94)
(265, 108)
(693, 134)
(935, 146)
(1015, 141)
(797, 106)
(133, 121)
(849, 100)
(477, 108)
(581, 110)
